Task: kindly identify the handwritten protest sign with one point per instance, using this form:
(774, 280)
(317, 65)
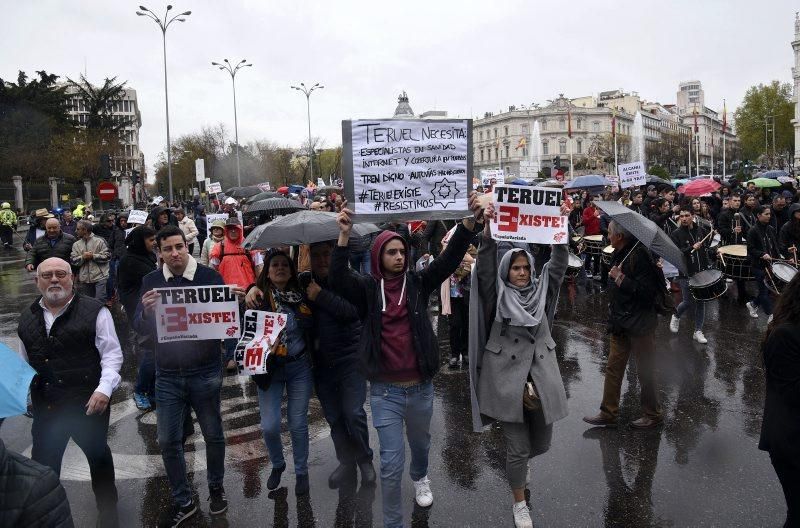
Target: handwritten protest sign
(631, 174)
(211, 218)
(196, 313)
(137, 217)
(528, 214)
(490, 177)
(259, 332)
(214, 187)
(407, 169)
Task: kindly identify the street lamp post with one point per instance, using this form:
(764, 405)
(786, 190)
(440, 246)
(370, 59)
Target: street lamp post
(232, 71)
(308, 92)
(163, 25)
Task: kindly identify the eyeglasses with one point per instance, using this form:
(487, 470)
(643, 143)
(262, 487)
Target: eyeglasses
(60, 274)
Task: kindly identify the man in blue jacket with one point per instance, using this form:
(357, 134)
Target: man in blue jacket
(188, 374)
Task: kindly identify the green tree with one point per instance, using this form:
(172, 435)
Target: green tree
(766, 102)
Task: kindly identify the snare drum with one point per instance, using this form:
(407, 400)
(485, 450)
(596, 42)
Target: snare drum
(574, 265)
(594, 244)
(707, 285)
(734, 263)
(716, 240)
(781, 274)
(608, 252)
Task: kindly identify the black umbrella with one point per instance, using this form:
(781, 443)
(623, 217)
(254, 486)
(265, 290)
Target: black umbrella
(655, 179)
(646, 232)
(301, 227)
(274, 206)
(244, 192)
(263, 196)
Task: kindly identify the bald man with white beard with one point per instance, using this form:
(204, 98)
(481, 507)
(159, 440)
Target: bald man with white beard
(70, 340)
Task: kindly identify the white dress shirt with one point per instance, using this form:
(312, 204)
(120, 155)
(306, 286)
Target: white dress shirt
(105, 340)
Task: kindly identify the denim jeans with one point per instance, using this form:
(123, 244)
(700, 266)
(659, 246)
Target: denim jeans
(393, 407)
(200, 389)
(687, 301)
(230, 349)
(111, 283)
(95, 290)
(342, 391)
(763, 300)
(146, 375)
(360, 262)
(296, 379)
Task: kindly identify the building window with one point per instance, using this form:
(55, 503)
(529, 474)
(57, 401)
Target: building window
(562, 124)
(545, 149)
(524, 152)
(505, 130)
(562, 147)
(579, 146)
(497, 153)
(495, 132)
(489, 154)
(596, 126)
(507, 154)
(544, 124)
(579, 123)
(481, 154)
(524, 129)
(480, 135)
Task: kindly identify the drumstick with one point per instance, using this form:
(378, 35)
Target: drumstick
(722, 259)
(702, 240)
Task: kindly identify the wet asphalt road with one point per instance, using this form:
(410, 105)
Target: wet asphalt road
(702, 468)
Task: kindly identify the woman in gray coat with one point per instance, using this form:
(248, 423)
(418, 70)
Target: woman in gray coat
(511, 352)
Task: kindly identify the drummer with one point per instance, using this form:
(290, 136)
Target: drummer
(693, 240)
(762, 248)
(789, 235)
(729, 224)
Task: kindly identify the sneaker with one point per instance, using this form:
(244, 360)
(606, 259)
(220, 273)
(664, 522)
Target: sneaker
(753, 310)
(453, 364)
(522, 515)
(699, 337)
(588, 275)
(218, 503)
(178, 515)
(422, 489)
(142, 401)
(674, 324)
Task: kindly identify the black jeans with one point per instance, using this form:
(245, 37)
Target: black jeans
(342, 391)
(55, 424)
(763, 300)
(789, 476)
(6, 235)
(458, 322)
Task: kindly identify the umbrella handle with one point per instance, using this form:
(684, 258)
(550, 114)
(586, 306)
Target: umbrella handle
(621, 262)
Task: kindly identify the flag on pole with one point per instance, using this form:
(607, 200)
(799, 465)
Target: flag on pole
(522, 143)
(724, 117)
(569, 123)
(696, 130)
(613, 123)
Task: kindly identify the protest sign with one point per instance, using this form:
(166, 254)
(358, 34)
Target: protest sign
(137, 217)
(196, 313)
(631, 174)
(260, 330)
(528, 170)
(529, 214)
(490, 177)
(200, 169)
(214, 187)
(407, 169)
(211, 218)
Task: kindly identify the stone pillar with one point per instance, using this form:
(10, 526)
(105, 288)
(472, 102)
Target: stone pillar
(53, 192)
(87, 189)
(18, 203)
(125, 190)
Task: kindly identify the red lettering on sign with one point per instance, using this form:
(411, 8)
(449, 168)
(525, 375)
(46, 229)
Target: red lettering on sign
(253, 357)
(176, 319)
(507, 218)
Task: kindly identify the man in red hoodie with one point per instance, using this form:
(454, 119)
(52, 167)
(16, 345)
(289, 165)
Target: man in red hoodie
(398, 348)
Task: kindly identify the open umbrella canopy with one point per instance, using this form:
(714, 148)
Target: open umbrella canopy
(263, 196)
(774, 174)
(230, 200)
(765, 182)
(655, 179)
(15, 379)
(787, 179)
(301, 227)
(700, 187)
(646, 232)
(283, 190)
(328, 189)
(590, 180)
(275, 206)
(551, 183)
(244, 192)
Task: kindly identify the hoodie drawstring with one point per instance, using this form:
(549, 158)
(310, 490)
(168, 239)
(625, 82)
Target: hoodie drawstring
(383, 296)
(402, 291)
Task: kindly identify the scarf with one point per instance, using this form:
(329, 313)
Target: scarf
(520, 306)
(286, 300)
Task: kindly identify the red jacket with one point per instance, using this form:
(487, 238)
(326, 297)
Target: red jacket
(235, 266)
(591, 222)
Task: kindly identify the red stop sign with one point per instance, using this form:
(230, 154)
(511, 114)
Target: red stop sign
(107, 191)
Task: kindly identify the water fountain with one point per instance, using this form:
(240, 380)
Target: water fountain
(637, 140)
(535, 148)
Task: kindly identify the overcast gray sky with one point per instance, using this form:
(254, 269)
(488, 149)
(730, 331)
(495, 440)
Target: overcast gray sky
(466, 57)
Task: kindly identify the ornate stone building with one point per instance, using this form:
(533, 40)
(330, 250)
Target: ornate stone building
(796, 76)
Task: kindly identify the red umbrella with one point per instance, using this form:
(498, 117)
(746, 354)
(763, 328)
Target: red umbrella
(283, 190)
(700, 187)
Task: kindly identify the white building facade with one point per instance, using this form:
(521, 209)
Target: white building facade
(796, 77)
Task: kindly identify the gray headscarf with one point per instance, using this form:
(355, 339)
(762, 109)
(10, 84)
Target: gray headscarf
(523, 306)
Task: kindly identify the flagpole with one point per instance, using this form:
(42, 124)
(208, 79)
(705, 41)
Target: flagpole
(712, 147)
(724, 133)
(614, 134)
(690, 157)
(723, 155)
(697, 152)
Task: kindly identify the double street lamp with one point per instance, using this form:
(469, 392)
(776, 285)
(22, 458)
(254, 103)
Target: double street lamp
(308, 92)
(232, 71)
(163, 25)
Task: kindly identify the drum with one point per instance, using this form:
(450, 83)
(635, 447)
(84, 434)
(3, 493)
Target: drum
(715, 241)
(608, 252)
(780, 274)
(574, 265)
(707, 285)
(594, 244)
(734, 262)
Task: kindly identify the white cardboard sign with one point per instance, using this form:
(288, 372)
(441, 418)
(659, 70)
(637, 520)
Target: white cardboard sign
(529, 214)
(195, 313)
(211, 218)
(214, 187)
(137, 217)
(631, 174)
(199, 169)
(260, 330)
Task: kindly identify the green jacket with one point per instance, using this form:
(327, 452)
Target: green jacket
(8, 218)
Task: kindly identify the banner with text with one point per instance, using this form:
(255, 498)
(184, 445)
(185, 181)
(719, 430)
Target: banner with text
(631, 174)
(197, 313)
(490, 177)
(407, 169)
(214, 188)
(529, 214)
(137, 217)
(260, 330)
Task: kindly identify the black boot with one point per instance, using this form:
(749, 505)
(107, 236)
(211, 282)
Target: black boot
(341, 475)
(367, 472)
(274, 479)
(301, 485)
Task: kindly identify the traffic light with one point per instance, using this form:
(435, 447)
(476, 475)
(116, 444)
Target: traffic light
(105, 166)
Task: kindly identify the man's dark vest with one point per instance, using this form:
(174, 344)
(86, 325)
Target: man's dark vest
(67, 362)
